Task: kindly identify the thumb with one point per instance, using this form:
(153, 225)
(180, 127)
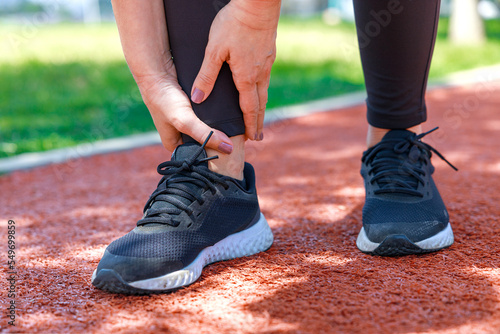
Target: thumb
(192, 126)
(205, 80)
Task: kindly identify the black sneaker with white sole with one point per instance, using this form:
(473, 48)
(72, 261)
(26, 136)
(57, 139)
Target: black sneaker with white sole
(403, 212)
(195, 217)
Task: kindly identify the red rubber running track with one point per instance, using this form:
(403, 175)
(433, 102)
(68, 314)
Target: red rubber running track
(313, 279)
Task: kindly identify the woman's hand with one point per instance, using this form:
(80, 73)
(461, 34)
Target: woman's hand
(143, 33)
(243, 34)
(172, 114)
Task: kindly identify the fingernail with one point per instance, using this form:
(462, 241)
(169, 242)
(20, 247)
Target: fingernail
(225, 148)
(197, 96)
(261, 136)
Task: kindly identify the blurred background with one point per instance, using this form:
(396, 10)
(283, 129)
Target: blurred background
(64, 81)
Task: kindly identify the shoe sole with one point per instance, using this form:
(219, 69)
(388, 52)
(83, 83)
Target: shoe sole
(399, 244)
(257, 238)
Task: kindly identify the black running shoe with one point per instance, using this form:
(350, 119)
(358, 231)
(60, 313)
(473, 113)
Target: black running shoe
(403, 213)
(195, 217)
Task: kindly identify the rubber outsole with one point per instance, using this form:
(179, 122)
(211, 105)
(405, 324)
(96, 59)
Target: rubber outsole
(255, 239)
(400, 245)
(109, 280)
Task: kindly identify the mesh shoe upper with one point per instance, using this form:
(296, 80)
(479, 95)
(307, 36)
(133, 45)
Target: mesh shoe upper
(191, 209)
(401, 197)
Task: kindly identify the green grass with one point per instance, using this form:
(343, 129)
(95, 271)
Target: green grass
(67, 84)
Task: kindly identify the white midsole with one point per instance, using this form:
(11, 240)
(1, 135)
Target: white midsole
(253, 240)
(438, 241)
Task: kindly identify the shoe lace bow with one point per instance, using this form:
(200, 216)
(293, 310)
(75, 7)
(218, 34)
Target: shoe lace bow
(184, 179)
(397, 165)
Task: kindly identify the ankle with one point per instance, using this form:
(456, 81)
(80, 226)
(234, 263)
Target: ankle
(229, 164)
(375, 135)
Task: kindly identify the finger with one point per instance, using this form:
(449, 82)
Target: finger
(188, 123)
(170, 137)
(170, 143)
(262, 90)
(205, 80)
(249, 103)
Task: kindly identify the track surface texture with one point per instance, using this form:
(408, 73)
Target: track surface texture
(313, 279)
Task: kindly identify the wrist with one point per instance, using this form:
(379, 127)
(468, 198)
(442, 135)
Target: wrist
(258, 14)
(148, 65)
(147, 76)
(156, 84)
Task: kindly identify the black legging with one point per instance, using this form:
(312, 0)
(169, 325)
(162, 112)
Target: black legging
(396, 40)
(188, 23)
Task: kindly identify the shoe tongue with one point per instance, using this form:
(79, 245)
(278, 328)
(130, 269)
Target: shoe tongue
(188, 151)
(398, 134)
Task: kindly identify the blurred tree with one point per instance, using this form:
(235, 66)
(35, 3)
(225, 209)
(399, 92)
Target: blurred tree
(466, 26)
(19, 6)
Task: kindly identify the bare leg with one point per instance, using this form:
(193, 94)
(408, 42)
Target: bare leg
(230, 164)
(375, 135)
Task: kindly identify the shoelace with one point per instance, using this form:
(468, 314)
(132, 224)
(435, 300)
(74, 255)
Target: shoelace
(187, 172)
(398, 165)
